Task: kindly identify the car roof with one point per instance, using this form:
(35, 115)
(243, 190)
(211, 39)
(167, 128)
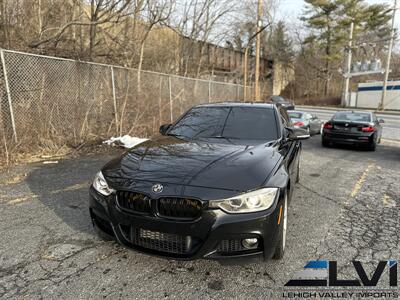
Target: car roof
(296, 111)
(238, 104)
(354, 112)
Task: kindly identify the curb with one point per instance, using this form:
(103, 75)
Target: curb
(390, 141)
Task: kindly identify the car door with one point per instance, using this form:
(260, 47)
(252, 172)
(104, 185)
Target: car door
(291, 149)
(307, 117)
(377, 125)
(313, 123)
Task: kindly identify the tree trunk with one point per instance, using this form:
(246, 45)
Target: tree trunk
(92, 30)
(140, 66)
(327, 62)
(327, 78)
(40, 23)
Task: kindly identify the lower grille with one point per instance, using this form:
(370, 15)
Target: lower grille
(160, 241)
(229, 246)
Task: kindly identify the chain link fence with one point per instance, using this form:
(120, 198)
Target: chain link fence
(53, 100)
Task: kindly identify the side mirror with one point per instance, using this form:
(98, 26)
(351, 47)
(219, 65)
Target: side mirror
(297, 134)
(381, 121)
(164, 128)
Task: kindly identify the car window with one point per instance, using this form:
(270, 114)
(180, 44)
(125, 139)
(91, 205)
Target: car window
(201, 122)
(277, 99)
(352, 117)
(284, 122)
(286, 119)
(308, 117)
(295, 115)
(250, 123)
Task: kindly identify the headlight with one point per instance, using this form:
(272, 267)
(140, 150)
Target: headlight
(100, 185)
(250, 202)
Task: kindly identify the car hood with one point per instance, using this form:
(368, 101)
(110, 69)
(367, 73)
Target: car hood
(167, 159)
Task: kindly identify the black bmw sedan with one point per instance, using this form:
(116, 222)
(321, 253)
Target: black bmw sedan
(279, 100)
(360, 128)
(215, 184)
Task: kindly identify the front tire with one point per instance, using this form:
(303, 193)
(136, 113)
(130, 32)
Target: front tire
(372, 146)
(325, 143)
(102, 235)
(280, 248)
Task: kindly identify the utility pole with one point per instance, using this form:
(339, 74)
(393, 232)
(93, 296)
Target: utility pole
(246, 56)
(258, 49)
(392, 34)
(346, 93)
(246, 53)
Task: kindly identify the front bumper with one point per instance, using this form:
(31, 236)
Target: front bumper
(348, 139)
(214, 235)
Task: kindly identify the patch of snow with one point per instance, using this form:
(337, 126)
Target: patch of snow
(125, 141)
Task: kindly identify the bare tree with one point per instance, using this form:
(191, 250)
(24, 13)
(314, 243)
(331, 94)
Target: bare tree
(101, 12)
(156, 12)
(197, 22)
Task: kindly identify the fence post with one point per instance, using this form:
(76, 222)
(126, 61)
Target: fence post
(209, 90)
(160, 103)
(170, 98)
(114, 98)
(182, 98)
(237, 92)
(8, 96)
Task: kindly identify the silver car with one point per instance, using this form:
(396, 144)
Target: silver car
(305, 120)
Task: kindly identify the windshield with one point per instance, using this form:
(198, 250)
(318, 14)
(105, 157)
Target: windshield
(248, 123)
(352, 117)
(277, 99)
(295, 115)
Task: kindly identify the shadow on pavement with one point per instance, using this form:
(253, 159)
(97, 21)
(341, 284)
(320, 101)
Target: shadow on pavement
(387, 153)
(63, 187)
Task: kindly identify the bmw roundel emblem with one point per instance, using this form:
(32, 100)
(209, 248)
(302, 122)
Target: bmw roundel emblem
(157, 188)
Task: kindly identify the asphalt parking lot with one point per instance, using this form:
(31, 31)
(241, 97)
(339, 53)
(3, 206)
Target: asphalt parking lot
(346, 207)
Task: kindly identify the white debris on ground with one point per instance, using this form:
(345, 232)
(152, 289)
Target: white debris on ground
(125, 141)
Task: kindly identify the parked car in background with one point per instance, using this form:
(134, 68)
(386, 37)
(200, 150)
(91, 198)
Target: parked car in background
(285, 103)
(354, 128)
(216, 184)
(309, 122)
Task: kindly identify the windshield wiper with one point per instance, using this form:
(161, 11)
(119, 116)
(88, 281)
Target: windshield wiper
(179, 136)
(224, 137)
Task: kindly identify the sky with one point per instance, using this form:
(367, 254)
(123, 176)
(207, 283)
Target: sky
(294, 8)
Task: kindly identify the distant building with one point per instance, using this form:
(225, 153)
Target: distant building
(369, 95)
(227, 64)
